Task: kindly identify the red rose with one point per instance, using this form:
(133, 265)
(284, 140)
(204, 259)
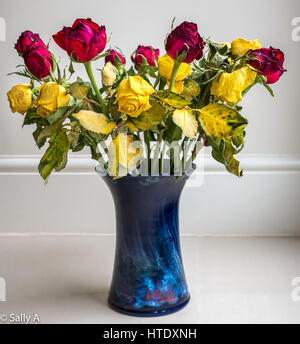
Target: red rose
(185, 38)
(269, 63)
(37, 57)
(113, 56)
(148, 52)
(83, 41)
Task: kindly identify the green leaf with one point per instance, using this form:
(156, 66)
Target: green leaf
(217, 149)
(231, 163)
(218, 59)
(190, 89)
(95, 122)
(113, 108)
(73, 136)
(186, 120)
(217, 54)
(149, 118)
(55, 155)
(45, 133)
(269, 89)
(223, 152)
(80, 144)
(175, 100)
(172, 24)
(79, 90)
(173, 133)
(260, 79)
(60, 112)
(71, 68)
(63, 162)
(35, 135)
(96, 155)
(238, 136)
(89, 139)
(219, 120)
(32, 117)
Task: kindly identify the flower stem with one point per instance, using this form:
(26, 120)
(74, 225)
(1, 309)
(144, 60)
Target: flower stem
(89, 70)
(174, 74)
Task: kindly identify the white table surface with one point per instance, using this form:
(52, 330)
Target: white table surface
(65, 279)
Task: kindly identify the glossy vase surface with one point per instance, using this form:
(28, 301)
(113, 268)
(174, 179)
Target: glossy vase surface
(148, 277)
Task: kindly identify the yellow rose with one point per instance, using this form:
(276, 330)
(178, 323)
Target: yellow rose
(20, 98)
(133, 96)
(51, 96)
(229, 86)
(109, 74)
(165, 67)
(240, 46)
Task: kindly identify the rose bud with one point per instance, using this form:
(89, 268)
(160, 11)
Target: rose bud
(37, 57)
(269, 62)
(114, 58)
(185, 39)
(28, 41)
(109, 74)
(143, 53)
(83, 41)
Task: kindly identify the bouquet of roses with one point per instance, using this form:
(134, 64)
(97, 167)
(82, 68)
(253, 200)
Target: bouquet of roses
(163, 108)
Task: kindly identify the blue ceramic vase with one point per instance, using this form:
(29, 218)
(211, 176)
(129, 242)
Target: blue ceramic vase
(148, 277)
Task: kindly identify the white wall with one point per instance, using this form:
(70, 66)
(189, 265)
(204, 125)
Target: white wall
(265, 201)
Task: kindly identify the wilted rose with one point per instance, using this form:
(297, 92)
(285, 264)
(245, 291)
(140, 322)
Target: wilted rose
(165, 67)
(83, 41)
(185, 38)
(51, 97)
(114, 57)
(20, 98)
(241, 46)
(143, 53)
(229, 87)
(133, 96)
(37, 57)
(269, 62)
(28, 41)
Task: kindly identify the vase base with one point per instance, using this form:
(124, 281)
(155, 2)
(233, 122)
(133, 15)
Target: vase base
(156, 313)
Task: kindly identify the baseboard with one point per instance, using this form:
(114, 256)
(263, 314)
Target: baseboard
(265, 202)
